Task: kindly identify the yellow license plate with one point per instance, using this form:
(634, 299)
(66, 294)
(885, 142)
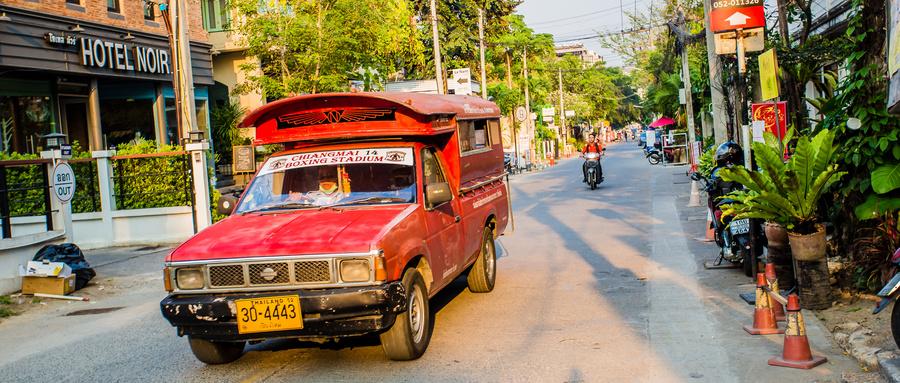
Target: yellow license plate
(269, 314)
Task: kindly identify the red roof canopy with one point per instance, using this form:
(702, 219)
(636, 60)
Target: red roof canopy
(350, 115)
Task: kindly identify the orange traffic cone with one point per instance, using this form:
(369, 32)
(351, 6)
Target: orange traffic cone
(777, 307)
(796, 347)
(710, 228)
(763, 316)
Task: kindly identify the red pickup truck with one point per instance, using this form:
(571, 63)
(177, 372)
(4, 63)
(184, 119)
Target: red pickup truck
(376, 202)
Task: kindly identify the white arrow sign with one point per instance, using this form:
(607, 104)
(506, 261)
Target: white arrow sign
(737, 19)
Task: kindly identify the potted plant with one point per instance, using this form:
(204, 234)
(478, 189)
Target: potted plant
(788, 193)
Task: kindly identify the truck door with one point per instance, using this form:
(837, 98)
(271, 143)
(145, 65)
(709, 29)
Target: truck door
(443, 222)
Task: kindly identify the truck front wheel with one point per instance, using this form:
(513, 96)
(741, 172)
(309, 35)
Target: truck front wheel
(484, 272)
(210, 352)
(408, 338)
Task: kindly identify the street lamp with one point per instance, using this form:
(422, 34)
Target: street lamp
(195, 136)
(54, 141)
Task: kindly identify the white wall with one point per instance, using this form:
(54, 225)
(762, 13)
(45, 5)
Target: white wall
(19, 250)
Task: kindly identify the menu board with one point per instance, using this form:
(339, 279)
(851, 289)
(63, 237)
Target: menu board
(244, 159)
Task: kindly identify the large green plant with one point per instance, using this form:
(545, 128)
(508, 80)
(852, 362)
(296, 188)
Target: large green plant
(786, 193)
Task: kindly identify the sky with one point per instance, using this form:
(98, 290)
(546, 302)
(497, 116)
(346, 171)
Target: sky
(567, 19)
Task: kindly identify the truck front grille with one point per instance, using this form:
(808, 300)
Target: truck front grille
(226, 276)
(271, 273)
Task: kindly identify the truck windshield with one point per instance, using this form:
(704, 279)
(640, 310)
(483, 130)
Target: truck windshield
(332, 178)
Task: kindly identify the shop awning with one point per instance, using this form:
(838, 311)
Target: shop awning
(662, 121)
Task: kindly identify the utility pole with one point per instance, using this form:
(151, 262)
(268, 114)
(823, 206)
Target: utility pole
(438, 67)
(481, 48)
(562, 114)
(194, 144)
(512, 118)
(715, 81)
(686, 80)
(528, 123)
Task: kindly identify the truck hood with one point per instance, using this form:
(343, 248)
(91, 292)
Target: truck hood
(349, 230)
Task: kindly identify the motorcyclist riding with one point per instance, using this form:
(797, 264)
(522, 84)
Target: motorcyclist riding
(593, 146)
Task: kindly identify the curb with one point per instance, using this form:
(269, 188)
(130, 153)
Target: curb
(890, 367)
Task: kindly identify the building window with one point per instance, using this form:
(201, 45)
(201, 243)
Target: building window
(23, 120)
(215, 15)
(76, 2)
(148, 10)
(112, 5)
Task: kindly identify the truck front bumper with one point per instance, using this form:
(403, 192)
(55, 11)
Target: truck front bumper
(327, 313)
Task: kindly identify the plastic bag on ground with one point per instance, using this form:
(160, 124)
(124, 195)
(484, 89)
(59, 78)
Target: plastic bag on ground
(70, 254)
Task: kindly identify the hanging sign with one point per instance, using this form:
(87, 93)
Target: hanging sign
(63, 182)
(754, 41)
(521, 113)
(766, 112)
(768, 75)
(460, 82)
(244, 157)
(730, 15)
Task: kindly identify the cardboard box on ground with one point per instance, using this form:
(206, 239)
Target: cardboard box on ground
(47, 278)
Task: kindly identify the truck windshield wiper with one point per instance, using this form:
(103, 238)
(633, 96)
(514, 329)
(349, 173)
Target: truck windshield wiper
(283, 205)
(366, 200)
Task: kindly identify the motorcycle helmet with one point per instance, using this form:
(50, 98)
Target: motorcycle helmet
(729, 153)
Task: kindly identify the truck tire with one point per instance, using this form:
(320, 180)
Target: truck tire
(484, 272)
(408, 338)
(210, 352)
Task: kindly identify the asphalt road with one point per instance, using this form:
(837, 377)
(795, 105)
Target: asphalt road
(593, 286)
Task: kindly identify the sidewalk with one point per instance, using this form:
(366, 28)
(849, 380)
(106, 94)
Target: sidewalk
(729, 312)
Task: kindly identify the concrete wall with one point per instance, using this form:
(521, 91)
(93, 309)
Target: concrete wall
(19, 250)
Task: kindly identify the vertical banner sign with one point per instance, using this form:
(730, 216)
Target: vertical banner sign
(893, 58)
(768, 75)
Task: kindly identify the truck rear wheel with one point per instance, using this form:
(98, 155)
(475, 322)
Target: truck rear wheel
(484, 272)
(210, 352)
(408, 338)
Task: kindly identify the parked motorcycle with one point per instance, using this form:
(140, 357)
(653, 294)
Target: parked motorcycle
(655, 156)
(592, 161)
(890, 293)
(733, 236)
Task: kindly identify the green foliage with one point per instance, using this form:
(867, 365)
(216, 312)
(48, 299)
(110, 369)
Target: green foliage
(143, 183)
(786, 193)
(886, 177)
(6, 312)
(318, 46)
(707, 161)
(5, 300)
(224, 121)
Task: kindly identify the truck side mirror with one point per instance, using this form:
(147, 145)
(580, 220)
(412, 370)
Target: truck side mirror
(226, 204)
(438, 193)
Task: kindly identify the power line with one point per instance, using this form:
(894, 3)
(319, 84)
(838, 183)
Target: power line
(608, 34)
(554, 21)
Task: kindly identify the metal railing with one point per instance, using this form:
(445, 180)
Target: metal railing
(24, 191)
(87, 191)
(152, 180)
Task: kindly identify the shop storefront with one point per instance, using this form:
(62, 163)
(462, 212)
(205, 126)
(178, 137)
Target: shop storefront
(101, 86)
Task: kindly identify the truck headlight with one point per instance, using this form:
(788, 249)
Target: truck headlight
(355, 270)
(189, 278)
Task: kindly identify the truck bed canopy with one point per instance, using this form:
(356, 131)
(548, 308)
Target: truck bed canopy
(332, 116)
